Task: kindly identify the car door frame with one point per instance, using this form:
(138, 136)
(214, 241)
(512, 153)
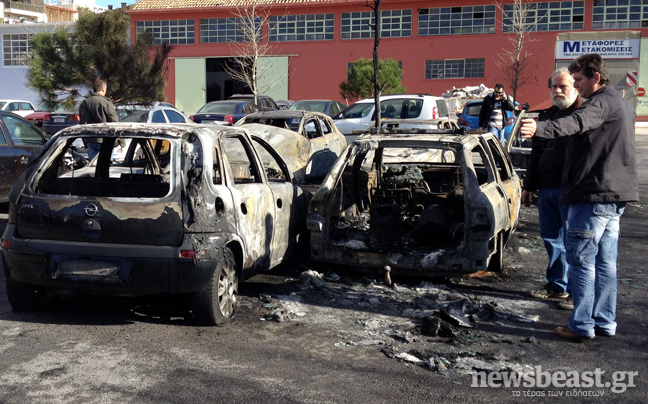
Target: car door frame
(253, 204)
(287, 226)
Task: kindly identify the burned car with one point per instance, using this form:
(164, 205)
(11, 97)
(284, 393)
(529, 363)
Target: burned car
(318, 145)
(429, 203)
(191, 209)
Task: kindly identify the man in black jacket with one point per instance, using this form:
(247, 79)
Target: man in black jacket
(492, 115)
(600, 176)
(544, 174)
(97, 109)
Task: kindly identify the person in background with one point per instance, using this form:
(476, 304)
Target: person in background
(97, 109)
(492, 115)
(599, 178)
(544, 174)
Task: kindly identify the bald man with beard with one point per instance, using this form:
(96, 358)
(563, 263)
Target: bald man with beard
(544, 174)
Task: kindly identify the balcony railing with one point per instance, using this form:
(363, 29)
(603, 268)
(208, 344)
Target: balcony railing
(24, 6)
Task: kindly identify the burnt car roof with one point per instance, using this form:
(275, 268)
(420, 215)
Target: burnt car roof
(414, 135)
(284, 113)
(154, 129)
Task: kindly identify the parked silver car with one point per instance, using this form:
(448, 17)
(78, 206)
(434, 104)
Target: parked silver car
(433, 203)
(360, 116)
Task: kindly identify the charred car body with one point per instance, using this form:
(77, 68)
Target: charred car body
(190, 209)
(318, 145)
(417, 202)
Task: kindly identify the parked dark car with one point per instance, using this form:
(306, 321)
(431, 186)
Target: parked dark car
(191, 210)
(61, 118)
(20, 142)
(328, 107)
(150, 114)
(264, 102)
(285, 104)
(224, 112)
(417, 202)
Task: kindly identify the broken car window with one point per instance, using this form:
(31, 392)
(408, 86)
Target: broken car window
(125, 167)
(274, 169)
(501, 165)
(392, 197)
(482, 168)
(241, 161)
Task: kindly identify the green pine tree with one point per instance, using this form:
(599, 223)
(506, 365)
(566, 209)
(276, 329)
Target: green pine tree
(64, 64)
(361, 79)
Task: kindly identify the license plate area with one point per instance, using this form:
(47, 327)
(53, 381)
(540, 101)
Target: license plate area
(84, 269)
(59, 120)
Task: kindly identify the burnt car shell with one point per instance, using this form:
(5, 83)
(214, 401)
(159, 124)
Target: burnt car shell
(317, 145)
(430, 203)
(157, 222)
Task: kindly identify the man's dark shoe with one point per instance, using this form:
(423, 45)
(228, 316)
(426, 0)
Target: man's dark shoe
(566, 333)
(566, 305)
(549, 293)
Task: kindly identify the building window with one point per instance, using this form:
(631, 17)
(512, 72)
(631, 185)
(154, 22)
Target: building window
(309, 27)
(456, 20)
(550, 16)
(454, 68)
(15, 49)
(223, 30)
(617, 14)
(394, 24)
(172, 32)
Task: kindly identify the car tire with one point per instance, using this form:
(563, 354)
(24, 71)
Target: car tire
(496, 263)
(24, 297)
(216, 304)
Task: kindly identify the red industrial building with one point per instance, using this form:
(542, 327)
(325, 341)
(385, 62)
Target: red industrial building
(440, 45)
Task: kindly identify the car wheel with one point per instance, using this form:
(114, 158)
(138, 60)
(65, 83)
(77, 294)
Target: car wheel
(216, 304)
(496, 263)
(24, 297)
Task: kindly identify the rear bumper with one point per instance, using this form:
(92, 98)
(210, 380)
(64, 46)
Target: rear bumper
(430, 264)
(140, 269)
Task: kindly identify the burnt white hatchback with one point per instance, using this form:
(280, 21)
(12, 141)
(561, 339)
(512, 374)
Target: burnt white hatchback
(188, 209)
(417, 202)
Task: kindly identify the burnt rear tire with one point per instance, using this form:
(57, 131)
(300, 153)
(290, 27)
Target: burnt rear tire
(216, 304)
(24, 297)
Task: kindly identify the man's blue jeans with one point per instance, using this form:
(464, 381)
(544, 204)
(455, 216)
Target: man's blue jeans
(93, 150)
(498, 132)
(553, 227)
(591, 245)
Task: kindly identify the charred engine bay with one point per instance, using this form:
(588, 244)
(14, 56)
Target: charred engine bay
(414, 207)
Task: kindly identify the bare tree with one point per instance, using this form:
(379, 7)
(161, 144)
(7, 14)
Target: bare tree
(249, 48)
(375, 6)
(516, 60)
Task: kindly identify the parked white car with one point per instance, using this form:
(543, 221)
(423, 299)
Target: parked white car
(18, 107)
(360, 116)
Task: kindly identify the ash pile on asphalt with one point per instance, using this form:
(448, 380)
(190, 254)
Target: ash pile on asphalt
(433, 325)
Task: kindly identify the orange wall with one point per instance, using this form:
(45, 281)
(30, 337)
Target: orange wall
(318, 67)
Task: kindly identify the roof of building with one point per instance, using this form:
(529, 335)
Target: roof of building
(175, 4)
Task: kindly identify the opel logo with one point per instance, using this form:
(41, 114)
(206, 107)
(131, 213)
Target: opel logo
(91, 209)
